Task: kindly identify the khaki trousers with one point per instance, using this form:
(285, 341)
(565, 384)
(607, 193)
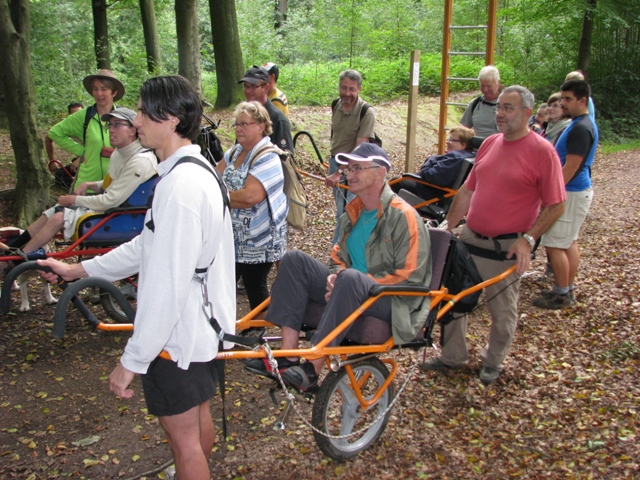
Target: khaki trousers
(503, 306)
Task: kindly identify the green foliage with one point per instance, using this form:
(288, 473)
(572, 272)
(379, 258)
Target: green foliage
(536, 46)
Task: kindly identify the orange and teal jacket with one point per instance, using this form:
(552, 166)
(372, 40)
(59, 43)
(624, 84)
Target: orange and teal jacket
(397, 253)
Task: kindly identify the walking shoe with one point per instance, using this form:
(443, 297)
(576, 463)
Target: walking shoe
(302, 377)
(436, 365)
(548, 292)
(553, 301)
(488, 375)
(261, 366)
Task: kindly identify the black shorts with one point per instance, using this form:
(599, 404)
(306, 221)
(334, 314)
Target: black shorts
(169, 390)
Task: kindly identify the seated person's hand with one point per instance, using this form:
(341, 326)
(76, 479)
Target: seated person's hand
(74, 165)
(331, 281)
(81, 189)
(67, 200)
(106, 152)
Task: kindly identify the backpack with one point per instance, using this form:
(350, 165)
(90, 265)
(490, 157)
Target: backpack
(375, 139)
(210, 145)
(461, 274)
(293, 187)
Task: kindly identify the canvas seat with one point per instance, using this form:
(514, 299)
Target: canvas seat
(127, 222)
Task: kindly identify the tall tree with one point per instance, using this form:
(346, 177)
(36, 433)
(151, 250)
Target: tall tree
(281, 13)
(226, 45)
(101, 33)
(151, 39)
(188, 34)
(584, 50)
(32, 187)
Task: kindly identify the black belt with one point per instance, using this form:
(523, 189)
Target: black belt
(504, 236)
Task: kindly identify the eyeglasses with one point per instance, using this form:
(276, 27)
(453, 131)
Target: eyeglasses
(451, 140)
(248, 86)
(243, 124)
(357, 169)
(116, 124)
(506, 108)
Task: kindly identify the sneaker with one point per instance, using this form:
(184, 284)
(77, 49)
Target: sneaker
(261, 366)
(488, 375)
(553, 301)
(302, 377)
(436, 365)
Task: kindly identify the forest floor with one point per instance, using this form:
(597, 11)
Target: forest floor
(566, 405)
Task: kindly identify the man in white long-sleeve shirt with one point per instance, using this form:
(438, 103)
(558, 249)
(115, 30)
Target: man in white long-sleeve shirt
(186, 229)
(131, 164)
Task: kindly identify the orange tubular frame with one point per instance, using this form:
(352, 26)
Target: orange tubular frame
(448, 192)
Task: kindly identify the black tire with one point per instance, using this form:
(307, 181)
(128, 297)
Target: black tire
(336, 410)
(110, 305)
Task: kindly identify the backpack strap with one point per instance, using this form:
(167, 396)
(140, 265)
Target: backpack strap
(91, 112)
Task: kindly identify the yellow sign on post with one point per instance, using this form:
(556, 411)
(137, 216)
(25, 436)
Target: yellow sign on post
(412, 114)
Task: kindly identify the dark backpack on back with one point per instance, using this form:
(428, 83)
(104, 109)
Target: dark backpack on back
(375, 139)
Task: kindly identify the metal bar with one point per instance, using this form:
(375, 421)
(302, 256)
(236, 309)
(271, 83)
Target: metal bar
(461, 79)
(468, 53)
(467, 27)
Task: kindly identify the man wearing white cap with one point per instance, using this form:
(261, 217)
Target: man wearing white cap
(381, 240)
(131, 164)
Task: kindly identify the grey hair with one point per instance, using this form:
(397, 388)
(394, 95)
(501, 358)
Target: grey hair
(526, 97)
(351, 75)
(489, 73)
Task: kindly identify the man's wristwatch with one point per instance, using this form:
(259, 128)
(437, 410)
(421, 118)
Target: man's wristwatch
(530, 239)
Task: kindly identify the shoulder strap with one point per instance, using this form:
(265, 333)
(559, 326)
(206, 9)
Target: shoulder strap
(364, 109)
(476, 101)
(91, 112)
(223, 187)
(333, 104)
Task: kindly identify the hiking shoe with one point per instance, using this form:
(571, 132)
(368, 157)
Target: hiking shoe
(261, 366)
(303, 377)
(436, 365)
(488, 375)
(553, 301)
(548, 292)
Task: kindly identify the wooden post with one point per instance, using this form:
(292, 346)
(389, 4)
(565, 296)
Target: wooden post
(412, 114)
(491, 32)
(444, 82)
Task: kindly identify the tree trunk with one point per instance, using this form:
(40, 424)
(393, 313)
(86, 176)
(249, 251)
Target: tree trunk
(584, 49)
(228, 54)
(4, 121)
(281, 13)
(151, 39)
(101, 33)
(188, 42)
(32, 187)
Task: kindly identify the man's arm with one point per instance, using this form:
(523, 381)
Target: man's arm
(571, 166)
(136, 171)
(521, 248)
(459, 207)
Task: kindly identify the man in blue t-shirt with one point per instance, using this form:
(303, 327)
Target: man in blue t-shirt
(576, 148)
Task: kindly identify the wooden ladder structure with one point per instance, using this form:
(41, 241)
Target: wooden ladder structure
(447, 53)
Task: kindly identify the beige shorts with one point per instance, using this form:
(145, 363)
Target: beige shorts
(71, 217)
(565, 231)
